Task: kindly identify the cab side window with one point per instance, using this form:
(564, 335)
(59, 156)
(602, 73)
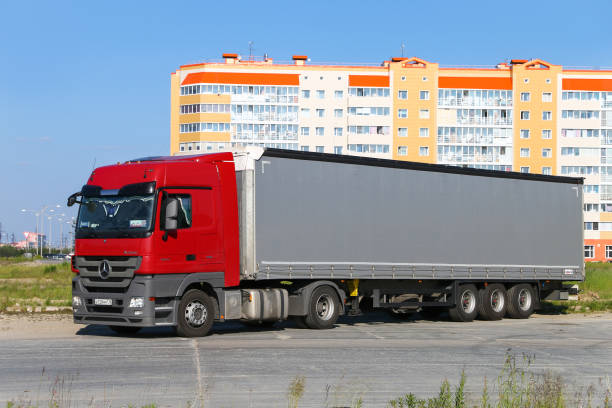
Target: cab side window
(184, 210)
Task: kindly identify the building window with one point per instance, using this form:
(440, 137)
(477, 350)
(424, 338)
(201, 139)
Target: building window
(424, 95)
(424, 79)
(402, 94)
(338, 113)
(337, 131)
(525, 96)
(402, 150)
(547, 80)
(423, 151)
(526, 80)
(305, 131)
(608, 251)
(338, 149)
(524, 152)
(320, 93)
(547, 115)
(305, 93)
(424, 113)
(305, 148)
(182, 147)
(320, 113)
(402, 132)
(402, 113)
(546, 96)
(589, 252)
(524, 115)
(305, 112)
(403, 78)
(320, 149)
(424, 132)
(524, 133)
(547, 171)
(320, 131)
(591, 226)
(546, 134)
(338, 94)
(525, 169)
(546, 152)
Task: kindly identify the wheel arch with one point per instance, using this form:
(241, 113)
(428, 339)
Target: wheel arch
(298, 301)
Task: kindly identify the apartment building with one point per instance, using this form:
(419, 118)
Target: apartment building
(524, 115)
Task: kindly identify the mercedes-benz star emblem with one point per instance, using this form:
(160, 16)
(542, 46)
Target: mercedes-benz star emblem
(104, 269)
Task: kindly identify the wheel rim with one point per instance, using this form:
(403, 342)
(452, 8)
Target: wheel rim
(497, 300)
(524, 299)
(468, 301)
(325, 307)
(195, 314)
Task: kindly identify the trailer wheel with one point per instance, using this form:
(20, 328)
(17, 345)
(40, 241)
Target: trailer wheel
(323, 308)
(466, 304)
(196, 313)
(493, 302)
(123, 330)
(520, 301)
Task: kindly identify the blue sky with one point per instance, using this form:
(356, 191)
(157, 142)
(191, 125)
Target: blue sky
(89, 82)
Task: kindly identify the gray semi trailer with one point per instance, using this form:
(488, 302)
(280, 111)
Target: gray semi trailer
(318, 235)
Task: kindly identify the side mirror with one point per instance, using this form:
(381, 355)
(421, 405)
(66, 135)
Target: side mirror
(72, 200)
(170, 216)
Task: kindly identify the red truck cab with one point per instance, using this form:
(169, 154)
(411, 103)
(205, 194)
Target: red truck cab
(147, 231)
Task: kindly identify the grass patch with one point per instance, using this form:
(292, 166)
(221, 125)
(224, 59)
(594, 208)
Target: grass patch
(517, 386)
(598, 280)
(35, 285)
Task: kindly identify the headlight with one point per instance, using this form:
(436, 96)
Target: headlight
(137, 302)
(76, 301)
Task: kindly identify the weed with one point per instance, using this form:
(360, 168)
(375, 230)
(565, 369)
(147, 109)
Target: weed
(296, 391)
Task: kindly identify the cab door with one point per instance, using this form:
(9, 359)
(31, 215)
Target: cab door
(176, 250)
(196, 244)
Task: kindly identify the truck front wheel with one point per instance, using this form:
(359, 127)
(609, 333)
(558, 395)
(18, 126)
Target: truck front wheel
(196, 313)
(323, 308)
(466, 304)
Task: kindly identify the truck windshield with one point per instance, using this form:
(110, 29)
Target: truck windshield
(115, 216)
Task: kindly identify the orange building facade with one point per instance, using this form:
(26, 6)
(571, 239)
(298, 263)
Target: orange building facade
(528, 116)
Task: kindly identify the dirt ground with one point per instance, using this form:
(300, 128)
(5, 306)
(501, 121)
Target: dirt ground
(36, 325)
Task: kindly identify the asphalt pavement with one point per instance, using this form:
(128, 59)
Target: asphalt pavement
(374, 357)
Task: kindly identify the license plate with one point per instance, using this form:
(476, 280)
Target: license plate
(103, 302)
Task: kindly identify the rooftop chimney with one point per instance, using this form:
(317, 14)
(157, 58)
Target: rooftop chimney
(300, 59)
(231, 58)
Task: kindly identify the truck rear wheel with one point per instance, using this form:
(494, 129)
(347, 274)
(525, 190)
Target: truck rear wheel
(493, 302)
(520, 301)
(323, 308)
(196, 313)
(466, 304)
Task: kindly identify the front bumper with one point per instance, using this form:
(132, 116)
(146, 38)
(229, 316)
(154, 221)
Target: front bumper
(154, 312)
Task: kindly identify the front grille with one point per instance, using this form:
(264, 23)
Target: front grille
(104, 309)
(119, 276)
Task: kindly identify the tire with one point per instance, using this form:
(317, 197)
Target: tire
(123, 330)
(493, 302)
(196, 313)
(521, 301)
(323, 308)
(466, 304)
